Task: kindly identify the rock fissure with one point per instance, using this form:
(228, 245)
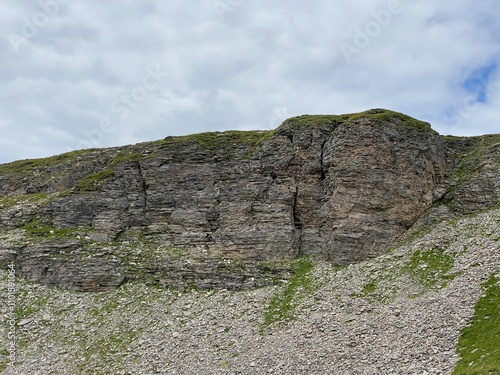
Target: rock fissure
(295, 214)
(144, 187)
(297, 225)
(322, 176)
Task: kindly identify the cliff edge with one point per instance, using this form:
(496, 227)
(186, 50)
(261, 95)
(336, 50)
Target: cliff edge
(231, 210)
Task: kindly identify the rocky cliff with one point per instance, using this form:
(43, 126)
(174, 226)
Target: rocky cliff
(231, 210)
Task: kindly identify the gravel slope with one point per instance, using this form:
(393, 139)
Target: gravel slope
(400, 313)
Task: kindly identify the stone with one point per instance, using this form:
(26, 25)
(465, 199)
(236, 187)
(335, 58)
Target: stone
(231, 210)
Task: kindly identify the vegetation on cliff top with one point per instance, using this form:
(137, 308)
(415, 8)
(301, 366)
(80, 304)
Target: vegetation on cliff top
(377, 116)
(209, 140)
(213, 141)
(68, 159)
(88, 170)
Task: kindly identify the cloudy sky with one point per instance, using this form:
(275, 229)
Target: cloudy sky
(90, 73)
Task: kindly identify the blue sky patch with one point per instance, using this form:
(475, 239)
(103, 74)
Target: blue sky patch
(477, 82)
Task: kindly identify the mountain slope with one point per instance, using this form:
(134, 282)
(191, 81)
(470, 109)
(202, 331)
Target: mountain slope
(399, 313)
(356, 243)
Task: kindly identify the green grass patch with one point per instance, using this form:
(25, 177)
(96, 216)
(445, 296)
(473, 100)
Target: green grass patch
(126, 157)
(479, 343)
(379, 286)
(414, 234)
(21, 166)
(229, 144)
(430, 268)
(377, 116)
(368, 288)
(103, 352)
(4, 362)
(24, 310)
(94, 181)
(282, 306)
(402, 121)
(104, 310)
(221, 140)
(446, 201)
(8, 201)
(35, 227)
(313, 120)
(173, 252)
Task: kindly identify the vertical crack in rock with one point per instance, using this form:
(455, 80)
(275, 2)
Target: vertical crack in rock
(144, 187)
(212, 217)
(321, 161)
(296, 219)
(297, 224)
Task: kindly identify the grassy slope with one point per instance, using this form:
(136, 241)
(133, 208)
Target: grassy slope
(479, 345)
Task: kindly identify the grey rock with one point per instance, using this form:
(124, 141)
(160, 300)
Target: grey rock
(231, 210)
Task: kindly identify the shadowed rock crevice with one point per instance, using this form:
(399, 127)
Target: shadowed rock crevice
(322, 174)
(296, 218)
(144, 186)
(297, 225)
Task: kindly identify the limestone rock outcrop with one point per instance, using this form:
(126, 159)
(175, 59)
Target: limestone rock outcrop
(229, 210)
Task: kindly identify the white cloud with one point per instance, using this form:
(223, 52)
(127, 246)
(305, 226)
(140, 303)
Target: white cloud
(65, 80)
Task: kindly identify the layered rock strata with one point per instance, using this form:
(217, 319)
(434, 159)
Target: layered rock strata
(228, 210)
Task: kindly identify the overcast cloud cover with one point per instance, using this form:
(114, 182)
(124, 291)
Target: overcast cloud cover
(79, 74)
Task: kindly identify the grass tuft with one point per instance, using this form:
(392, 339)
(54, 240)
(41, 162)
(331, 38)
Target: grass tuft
(95, 181)
(37, 228)
(430, 268)
(479, 343)
(282, 306)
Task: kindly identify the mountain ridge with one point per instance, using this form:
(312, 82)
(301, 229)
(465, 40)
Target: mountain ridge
(221, 207)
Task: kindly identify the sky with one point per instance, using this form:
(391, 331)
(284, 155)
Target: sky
(77, 74)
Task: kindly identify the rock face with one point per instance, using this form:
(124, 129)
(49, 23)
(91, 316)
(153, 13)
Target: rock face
(228, 210)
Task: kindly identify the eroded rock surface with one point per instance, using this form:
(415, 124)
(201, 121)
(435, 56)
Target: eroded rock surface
(228, 210)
